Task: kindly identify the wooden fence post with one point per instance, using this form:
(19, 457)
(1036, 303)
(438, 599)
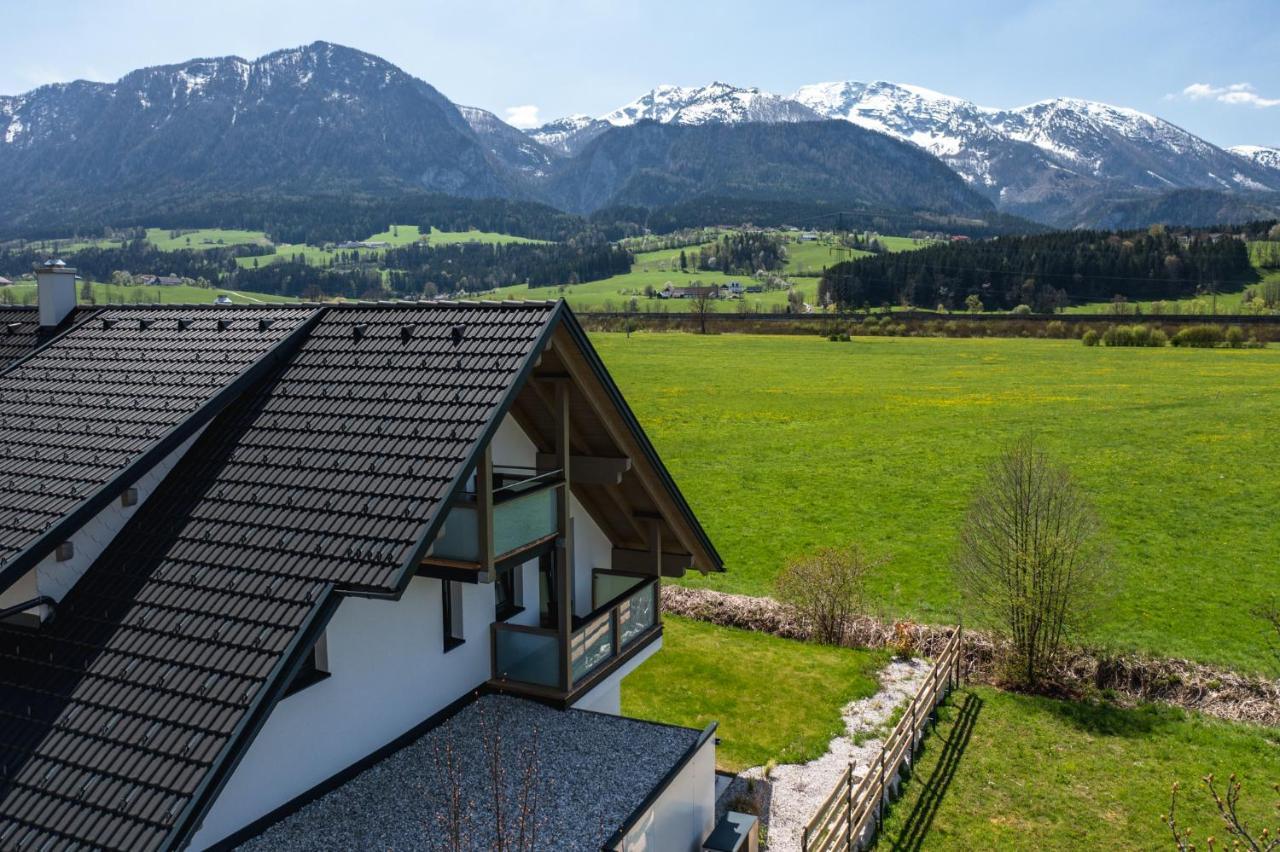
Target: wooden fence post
(848, 809)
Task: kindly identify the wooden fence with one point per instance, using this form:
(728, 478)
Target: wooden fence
(851, 815)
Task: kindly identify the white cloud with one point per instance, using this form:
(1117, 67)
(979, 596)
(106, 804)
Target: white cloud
(524, 116)
(1235, 94)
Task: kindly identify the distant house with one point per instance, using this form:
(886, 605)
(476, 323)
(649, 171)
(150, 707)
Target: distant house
(4, 282)
(159, 280)
(959, 238)
(672, 292)
(364, 244)
(753, 288)
(808, 237)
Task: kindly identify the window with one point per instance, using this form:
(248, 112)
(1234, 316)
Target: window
(547, 589)
(314, 668)
(451, 601)
(506, 592)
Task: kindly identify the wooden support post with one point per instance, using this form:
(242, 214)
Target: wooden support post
(655, 546)
(484, 512)
(564, 539)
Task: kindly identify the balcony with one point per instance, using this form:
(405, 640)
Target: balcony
(530, 660)
(523, 518)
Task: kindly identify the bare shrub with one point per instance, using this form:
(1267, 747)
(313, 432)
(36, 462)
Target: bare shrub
(1242, 836)
(826, 589)
(1028, 560)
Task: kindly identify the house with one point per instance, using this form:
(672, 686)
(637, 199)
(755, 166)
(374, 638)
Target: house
(673, 292)
(808, 237)
(160, 280)
(250, 556)
(4, 282)
(734, 289)
(364, 244)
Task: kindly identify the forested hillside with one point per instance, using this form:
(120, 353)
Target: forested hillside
(1045, 271)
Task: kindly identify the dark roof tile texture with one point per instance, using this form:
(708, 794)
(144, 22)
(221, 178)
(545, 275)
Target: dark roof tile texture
(82, 409)
(325, 474)
(21, 334)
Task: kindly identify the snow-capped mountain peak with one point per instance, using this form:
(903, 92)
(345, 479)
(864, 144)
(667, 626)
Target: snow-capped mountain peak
(1263, 155)
(714, 103)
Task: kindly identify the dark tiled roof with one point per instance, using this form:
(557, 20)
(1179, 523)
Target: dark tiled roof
(120, 717)
(21, 334)
(91, 406)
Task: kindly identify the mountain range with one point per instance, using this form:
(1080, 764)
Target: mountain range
(1057, 161)
(330, 119)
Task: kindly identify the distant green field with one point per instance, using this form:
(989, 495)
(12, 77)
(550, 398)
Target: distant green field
(809, 259)
(203, 238)
(784, 444)
(1007, 771)
(396, 235)
(109, 294)
(617, 292)
(706, 673)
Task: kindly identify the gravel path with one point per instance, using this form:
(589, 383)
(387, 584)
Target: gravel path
(794, 791)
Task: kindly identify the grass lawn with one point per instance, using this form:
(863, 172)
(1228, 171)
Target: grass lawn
(775, 699)
(782, 444)
(1007, 771)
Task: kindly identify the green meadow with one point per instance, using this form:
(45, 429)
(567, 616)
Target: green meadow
(784, 444)
(1006, 771)
(706, 673)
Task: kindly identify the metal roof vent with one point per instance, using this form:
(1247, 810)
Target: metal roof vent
(144, 324)
(108, 323)
(12, 328)
(457, 334)
(406, 332)
(224, 324)
(184, 324)
(357, 331)
(264, 324)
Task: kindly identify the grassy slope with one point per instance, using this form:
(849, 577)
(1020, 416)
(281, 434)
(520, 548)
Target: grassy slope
(618, 291)
(107, 294)
(396, 235)
(1038, 774)
(774, 699)
(782, 444)
(204, 238)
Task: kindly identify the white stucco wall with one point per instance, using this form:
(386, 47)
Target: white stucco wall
(53, 578)
(389, 672)
(684, 815)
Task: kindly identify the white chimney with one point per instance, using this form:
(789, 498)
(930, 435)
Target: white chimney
(55, 292)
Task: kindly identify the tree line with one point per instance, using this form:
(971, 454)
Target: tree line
(1045, 272)
(418, 269)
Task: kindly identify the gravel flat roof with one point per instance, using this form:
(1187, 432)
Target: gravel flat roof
(572, 777)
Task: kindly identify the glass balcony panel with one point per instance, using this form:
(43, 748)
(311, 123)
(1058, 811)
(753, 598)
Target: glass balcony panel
(461, 539)
(606, 587)
(524, 520)
(528, 657)
(592, 646)
(637, 614)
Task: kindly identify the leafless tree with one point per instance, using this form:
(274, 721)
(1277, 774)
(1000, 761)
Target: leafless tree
(458, 827)
(1029, 559)
(702, 305)
(826, 588)
(1242, 837)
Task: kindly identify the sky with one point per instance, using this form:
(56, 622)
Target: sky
(1210, 67)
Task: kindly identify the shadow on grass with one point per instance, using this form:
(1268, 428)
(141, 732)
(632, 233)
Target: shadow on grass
(915, 828)
(1104, 719)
